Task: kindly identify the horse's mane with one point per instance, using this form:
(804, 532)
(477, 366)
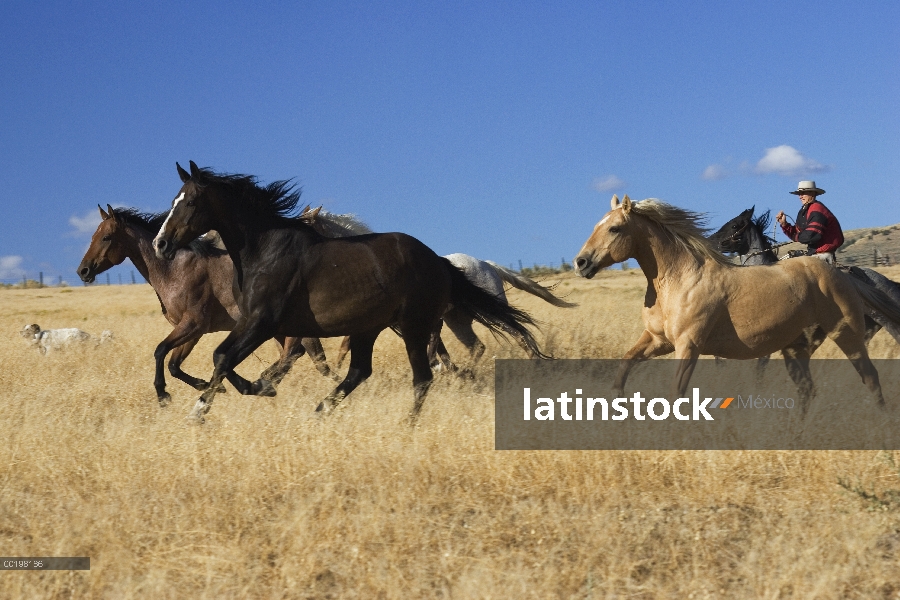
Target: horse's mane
(686, 228)
(337, 226)
(275, 201)
(763, 221)
(203, 246)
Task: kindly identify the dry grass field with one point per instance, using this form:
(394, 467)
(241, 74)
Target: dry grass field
(265, 501)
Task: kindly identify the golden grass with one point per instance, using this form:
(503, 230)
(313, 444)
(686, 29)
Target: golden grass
(265, 501)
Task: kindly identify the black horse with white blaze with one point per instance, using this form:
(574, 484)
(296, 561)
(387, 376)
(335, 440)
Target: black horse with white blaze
(290, 280)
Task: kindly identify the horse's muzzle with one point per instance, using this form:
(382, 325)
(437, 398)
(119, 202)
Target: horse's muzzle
(585, 266)
(165, 249)
(86, 274)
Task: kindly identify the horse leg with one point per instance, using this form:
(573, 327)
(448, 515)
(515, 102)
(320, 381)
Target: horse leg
(316, 353)
(178, 356)
(461, 326)
(437, 349)
(872, 327)
(184, 331)
(342, 352)
(687, 357)
(796, 361)
(240, 343)
(361, 346)
(290, 350)
(417, 352)
(647, 346)
(853, 345)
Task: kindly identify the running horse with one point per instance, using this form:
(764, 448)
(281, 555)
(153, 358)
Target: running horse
(194, 292)
(698, 302)
(290, 280)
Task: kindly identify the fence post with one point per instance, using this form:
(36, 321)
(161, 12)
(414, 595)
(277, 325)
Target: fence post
(132, 278)
(107, 278)
(60, 280)
(41, 278)
(520, 265)
(24, 282)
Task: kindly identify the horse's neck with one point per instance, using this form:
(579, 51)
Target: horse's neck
(659, 258)
(759, 243)
(144, 257)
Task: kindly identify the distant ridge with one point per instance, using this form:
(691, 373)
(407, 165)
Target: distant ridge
(860, 245)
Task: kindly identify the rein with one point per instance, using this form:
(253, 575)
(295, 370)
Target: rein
(774, 249)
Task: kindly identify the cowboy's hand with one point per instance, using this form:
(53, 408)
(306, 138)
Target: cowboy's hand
(780, 217)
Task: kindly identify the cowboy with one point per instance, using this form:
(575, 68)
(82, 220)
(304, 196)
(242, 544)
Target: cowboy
(815, 226)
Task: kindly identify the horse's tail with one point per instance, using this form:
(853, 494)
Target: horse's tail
(877, 300)
(499, 317)
(527, 285)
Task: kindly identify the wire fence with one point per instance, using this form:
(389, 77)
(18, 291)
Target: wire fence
(38, 280)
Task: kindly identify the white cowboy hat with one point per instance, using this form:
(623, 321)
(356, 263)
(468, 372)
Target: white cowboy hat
(808, 187)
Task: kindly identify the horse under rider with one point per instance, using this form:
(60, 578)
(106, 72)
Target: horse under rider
(815, 226)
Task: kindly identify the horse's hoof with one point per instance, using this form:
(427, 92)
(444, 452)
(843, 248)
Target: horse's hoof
(164, 399)
(198, 412)
(263, 387)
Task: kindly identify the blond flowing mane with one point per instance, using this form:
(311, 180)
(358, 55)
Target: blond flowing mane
(684, 227)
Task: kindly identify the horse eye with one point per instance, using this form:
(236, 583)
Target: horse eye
(614, 229)
(191, 203)
(106, 238)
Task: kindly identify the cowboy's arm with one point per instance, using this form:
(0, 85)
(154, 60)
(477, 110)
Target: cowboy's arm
(789, 230)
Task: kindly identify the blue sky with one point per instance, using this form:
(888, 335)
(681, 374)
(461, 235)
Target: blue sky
(499, 130)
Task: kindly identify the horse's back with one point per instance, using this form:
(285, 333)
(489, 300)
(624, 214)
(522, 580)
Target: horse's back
(478, 272)
(358, 283)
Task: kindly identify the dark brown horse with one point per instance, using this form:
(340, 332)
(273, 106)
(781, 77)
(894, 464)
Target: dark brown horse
(290, 280)
(194, 291)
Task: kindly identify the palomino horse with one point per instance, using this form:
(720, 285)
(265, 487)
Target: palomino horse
(194, 291)
(697, 302)
(290, 280)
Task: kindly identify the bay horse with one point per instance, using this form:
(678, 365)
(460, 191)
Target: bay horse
(194, 292)
(698, 302)
(290, 280)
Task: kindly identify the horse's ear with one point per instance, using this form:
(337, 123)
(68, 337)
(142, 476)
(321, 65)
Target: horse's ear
(109, 209)
(195, 170)
(182, 173)
(626, 204)
(614, 203)
(103, 215)
(309, 216)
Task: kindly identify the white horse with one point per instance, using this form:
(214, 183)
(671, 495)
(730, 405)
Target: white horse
(489, 276)
(57, 339)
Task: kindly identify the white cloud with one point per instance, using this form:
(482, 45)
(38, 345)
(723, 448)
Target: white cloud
(10, 267)
(610, 183)
(786, 160)
(85, 225)
(714, 173)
